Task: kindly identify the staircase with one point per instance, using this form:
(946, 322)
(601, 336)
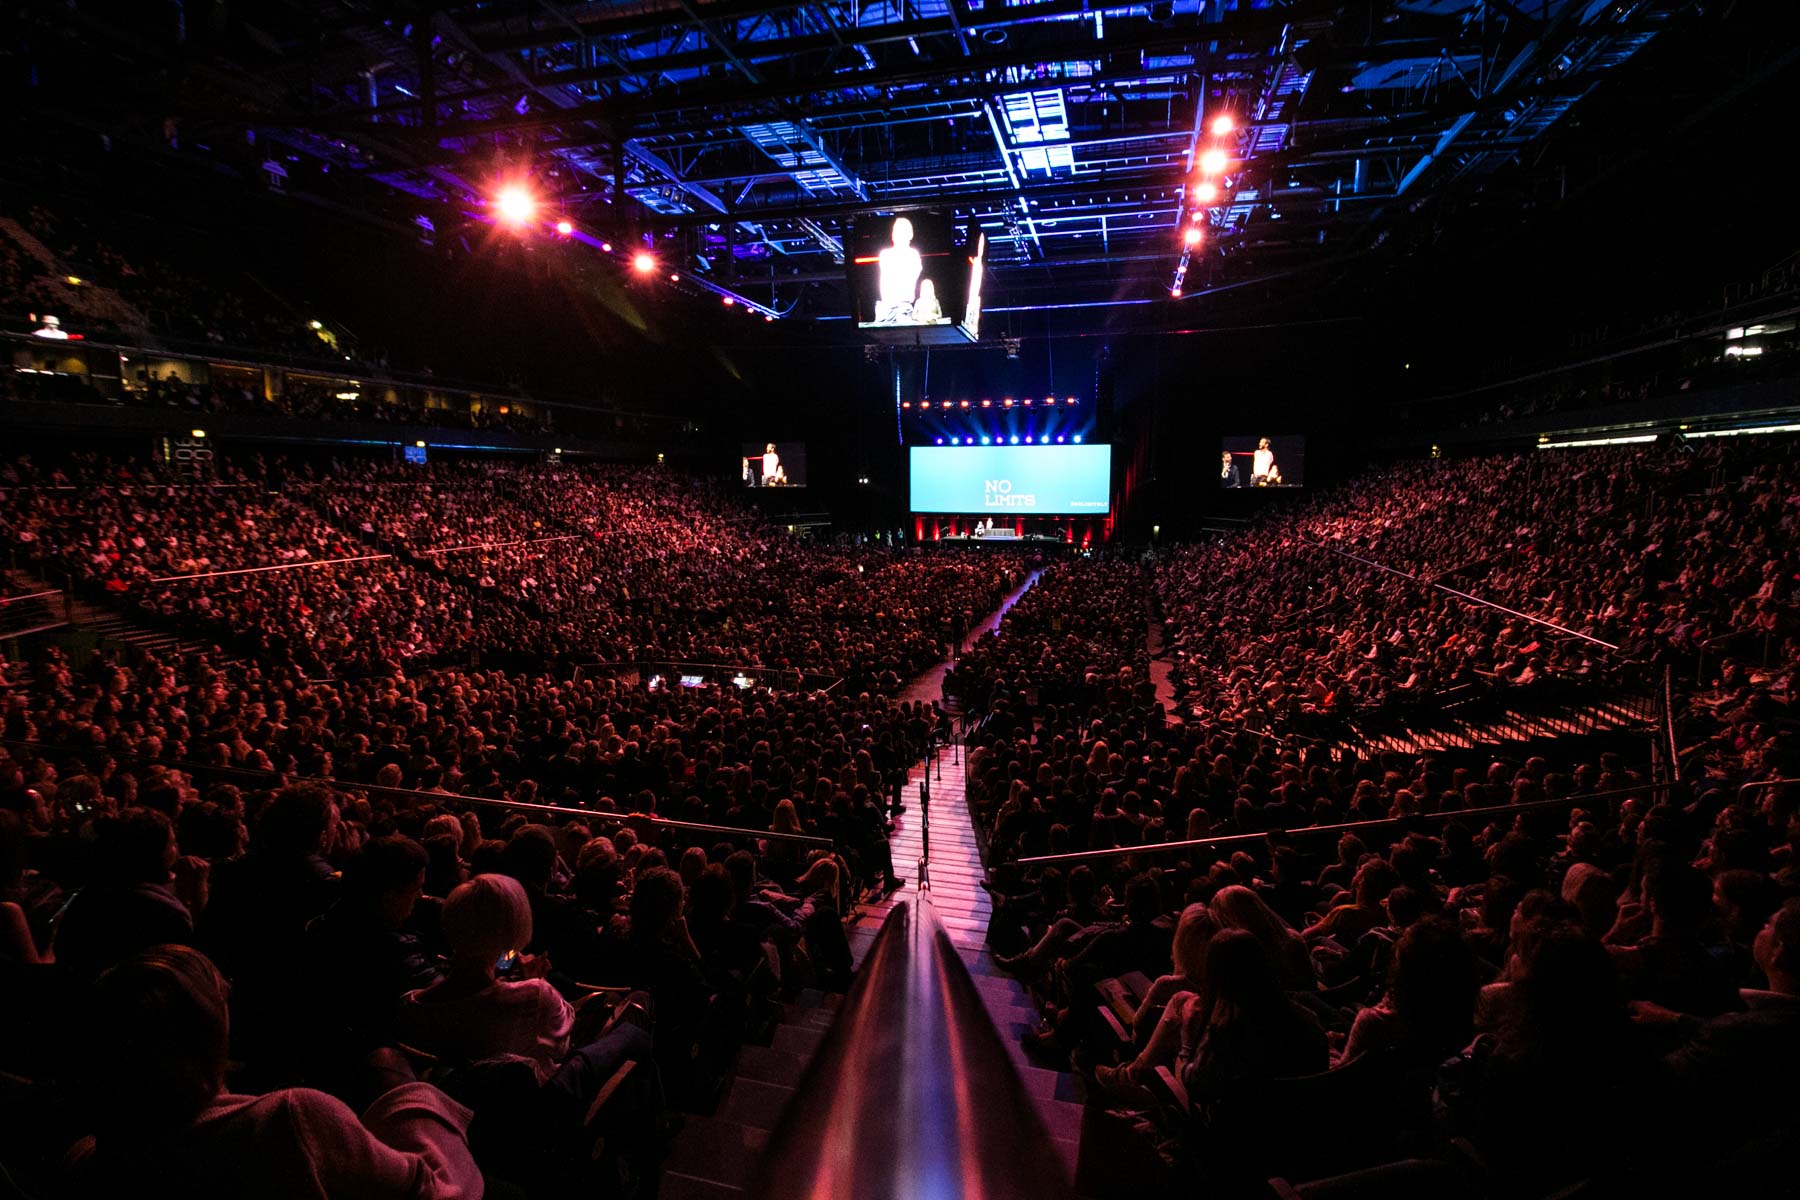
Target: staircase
(1444, 733)
(1057, 1095)
(87, 299)
(108, 625)
(713, 1157)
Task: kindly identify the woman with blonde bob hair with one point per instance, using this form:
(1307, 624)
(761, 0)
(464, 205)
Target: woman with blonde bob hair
(471, 1013)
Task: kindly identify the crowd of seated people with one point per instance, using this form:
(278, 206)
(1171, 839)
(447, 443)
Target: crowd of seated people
(310, 880)
(643, 574)
(1619, 961)
(1675, 548)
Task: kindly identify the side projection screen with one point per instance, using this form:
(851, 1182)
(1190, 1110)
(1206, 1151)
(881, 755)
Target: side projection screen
(1026, 480)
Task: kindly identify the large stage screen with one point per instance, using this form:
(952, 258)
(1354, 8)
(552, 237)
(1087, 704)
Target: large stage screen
(1026, 480)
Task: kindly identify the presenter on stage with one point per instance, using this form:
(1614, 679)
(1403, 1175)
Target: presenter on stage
(1262, 466)
(1228, 472)
(898, 268)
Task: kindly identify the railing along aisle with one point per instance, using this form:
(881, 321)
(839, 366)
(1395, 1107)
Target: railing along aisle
(911, 1094)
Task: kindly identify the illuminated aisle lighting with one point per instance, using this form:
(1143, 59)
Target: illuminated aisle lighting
(515, 204)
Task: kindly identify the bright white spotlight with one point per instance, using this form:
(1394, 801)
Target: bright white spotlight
(986, 441)
(1192, 236)
(728, 301)
(1222, 125)
(1015, 439)
(1206, 192)
(1213, 162)
(1175, 292)
(1078, 439)
(515, 204)
(956, 441)
(565, 227)
(606, 247)
(644, 262)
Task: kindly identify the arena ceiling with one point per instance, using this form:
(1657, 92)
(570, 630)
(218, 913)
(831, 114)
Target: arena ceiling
(745, 136)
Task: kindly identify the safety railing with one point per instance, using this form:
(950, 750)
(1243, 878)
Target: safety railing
(33, 612)
(451, 799)
(1666, 728)
(911, 1093)
(1309, 831)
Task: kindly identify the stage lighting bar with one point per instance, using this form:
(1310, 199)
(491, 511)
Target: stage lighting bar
(1211, 163)
(927, 407)
(729, 298)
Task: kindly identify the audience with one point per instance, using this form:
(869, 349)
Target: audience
(322, 792)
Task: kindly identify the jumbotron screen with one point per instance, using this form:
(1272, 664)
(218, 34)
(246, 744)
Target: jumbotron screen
(1262, 462)
(1023, 480)
(774, 464)
(911, 271)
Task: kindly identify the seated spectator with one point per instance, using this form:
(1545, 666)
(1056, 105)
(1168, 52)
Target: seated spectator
(1428, 1011)
(1248, 1030)
(471, 1015)
(162, 1113)
(128, 905)
(359, 957)
(1564, 1059)
(1721, 1068)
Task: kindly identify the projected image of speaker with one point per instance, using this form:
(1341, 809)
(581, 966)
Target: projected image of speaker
(774, 464)
(912, 279)
(1262, 461)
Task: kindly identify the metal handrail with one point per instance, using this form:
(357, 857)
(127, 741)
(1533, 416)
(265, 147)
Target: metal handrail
(586, 814)
(911, 1093)
(1668, 723)
(20, 599)
(1460, 595)
(1234, 839)
(1765, 783)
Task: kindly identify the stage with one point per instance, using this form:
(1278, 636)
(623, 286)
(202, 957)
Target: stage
(1017, 531)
